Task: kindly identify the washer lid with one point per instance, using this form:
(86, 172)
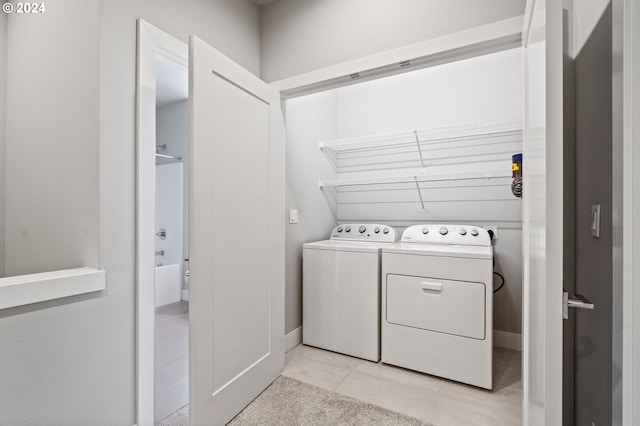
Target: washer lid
(443, 250)
(346, 245)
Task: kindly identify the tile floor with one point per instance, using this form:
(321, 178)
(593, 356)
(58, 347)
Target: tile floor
(172, 358)
(438, 401)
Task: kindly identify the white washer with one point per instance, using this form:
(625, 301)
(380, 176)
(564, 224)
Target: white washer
(437, 302)
(341, 290)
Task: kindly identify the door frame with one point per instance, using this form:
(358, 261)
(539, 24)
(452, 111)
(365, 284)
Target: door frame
(152, 42)
(543, 222)
(626, 272)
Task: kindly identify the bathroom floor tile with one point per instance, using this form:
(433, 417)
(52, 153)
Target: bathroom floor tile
(171, 398)
(170, 371)
(171, 358)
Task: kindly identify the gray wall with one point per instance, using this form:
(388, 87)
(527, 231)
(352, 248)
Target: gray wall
(301, 36)
(3, 131)
(51, 142)
(55, 356)
(593, 256)
(72, 362)
(309, 119)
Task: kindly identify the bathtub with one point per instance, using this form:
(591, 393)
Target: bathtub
(168, 284)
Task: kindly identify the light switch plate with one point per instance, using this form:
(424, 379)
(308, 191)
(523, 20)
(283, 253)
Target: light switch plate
(595, 220)
(293, 216)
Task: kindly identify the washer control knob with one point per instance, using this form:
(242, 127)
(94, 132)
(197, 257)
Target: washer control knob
(463, 231)
(377, 230)
(425, 231)
(339, 229)
(385, 231)
(444, 231)
(362, 229)
(474, 232)
(347, 229)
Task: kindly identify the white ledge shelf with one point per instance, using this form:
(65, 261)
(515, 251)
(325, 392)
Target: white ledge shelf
(33, 288)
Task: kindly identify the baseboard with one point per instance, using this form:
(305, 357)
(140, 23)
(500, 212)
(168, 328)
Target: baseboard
(185, 295)
(502, 339)
(292, 339)
(507, 340)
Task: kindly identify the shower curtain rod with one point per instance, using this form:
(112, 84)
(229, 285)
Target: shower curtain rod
(171, 157)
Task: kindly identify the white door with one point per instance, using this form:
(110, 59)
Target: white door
(236, 236)
(543, 213)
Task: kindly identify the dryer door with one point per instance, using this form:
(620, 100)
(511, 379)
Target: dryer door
(434, 304)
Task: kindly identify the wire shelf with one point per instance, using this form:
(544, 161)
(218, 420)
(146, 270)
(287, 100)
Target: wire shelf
(425, 147)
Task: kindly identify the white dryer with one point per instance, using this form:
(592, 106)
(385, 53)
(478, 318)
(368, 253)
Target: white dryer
(341, 290)
(437, 302)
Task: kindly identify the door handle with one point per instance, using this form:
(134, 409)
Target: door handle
(427, 286)
(580, 302)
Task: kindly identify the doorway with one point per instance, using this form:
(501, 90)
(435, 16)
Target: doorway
(162, 275)
(230, 365)
(171, 375)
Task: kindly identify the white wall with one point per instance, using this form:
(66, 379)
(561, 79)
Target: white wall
(477, 89)
(301, 36)
(170, 212)
(72, 361)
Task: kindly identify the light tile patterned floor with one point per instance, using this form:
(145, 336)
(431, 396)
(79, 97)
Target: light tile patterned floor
(439, 401)
(172, 359)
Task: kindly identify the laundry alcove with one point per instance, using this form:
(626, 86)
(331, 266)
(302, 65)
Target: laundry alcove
(429, 146)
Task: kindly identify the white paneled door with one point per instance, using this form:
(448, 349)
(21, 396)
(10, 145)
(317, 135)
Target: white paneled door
(236, 236)
(543, 213)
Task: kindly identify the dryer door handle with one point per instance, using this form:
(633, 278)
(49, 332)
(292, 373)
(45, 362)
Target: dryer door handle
(428, 286)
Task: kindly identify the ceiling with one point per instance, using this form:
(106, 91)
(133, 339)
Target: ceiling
(172, 82)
